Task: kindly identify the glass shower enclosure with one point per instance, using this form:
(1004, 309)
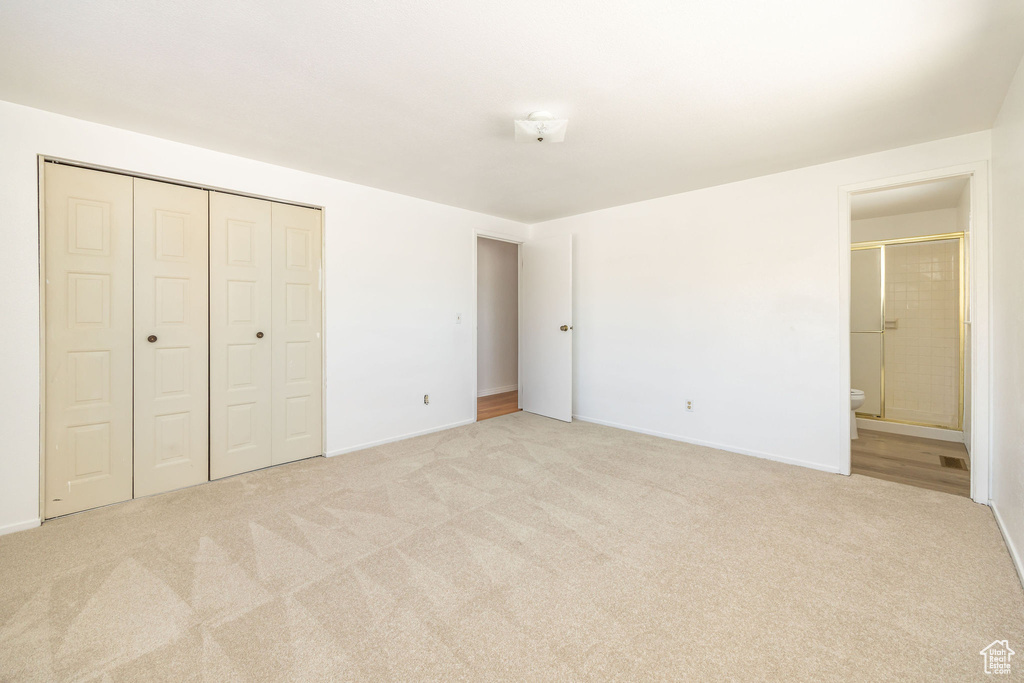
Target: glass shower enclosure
(907, 329)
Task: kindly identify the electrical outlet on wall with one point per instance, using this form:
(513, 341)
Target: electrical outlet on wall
(689, 406)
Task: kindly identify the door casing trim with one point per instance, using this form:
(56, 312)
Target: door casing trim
(979, 257)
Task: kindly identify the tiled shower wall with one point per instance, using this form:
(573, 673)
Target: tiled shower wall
(922, 353)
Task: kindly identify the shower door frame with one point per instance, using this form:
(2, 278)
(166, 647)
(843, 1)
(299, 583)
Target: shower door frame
(961, 312)
(977, 431)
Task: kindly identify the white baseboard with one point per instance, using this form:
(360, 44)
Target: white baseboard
(20, 526)
(498, 390)
(1015, 557)
(391, 439)
(910, 430)
(718, 446)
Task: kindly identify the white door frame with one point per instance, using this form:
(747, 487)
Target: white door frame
(511, 239)
(979, 257)
(41, 161)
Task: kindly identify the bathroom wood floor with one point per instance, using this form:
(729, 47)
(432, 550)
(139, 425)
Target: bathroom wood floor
(928, 463)
(497, 405)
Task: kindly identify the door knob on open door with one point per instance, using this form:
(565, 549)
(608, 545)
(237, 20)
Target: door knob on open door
(565, 328)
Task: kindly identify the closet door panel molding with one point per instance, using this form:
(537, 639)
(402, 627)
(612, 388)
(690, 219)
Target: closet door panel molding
(171, 337)
(240, 335)
(297, 350)
(182, 336)
(87, 237)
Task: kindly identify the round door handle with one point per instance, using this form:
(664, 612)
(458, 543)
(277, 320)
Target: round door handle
(259, 335)
(151, 338)
(565, 328)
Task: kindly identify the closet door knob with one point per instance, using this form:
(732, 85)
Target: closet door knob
(151, 338)
(259, 335)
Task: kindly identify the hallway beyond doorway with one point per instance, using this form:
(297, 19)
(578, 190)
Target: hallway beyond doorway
(496, 405)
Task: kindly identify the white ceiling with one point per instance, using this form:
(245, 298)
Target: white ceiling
(662, 96)
(927, 196)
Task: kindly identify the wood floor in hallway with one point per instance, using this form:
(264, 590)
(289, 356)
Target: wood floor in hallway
(927, 463)
(496, 405)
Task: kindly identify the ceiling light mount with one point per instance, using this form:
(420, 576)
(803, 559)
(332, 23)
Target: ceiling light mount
(540, 126)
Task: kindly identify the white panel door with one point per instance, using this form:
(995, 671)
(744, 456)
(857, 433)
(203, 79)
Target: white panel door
(547, 327)
(171, 337)
(88, 299)
(295, 336)
(240, 339)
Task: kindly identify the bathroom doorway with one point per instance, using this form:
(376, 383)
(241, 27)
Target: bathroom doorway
(910, 333)
(497, 331)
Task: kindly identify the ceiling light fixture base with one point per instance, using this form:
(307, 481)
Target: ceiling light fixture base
(540, 126)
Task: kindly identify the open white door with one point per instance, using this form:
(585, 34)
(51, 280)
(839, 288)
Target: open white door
(546, 353)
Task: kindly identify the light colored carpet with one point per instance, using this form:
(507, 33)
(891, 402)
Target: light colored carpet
(516, 548)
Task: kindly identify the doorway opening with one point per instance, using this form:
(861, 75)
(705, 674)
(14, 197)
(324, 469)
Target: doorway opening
(497, 328)
(910, 334)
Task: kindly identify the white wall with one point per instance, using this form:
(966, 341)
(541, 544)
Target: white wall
(1008, 317)
(731, 297)
(497, 306)
(397, 270)
(917, 224)
(963, 210)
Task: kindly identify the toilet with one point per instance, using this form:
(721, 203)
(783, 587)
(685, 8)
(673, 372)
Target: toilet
(856, 401)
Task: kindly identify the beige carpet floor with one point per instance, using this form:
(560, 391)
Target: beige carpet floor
(519, 548)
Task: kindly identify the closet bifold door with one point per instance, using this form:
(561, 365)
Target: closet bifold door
(171, 337)
(87, 240)
(240, 335)
(298, 361)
